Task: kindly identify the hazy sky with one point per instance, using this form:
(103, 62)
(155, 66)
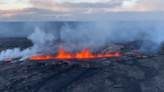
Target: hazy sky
(78, 10)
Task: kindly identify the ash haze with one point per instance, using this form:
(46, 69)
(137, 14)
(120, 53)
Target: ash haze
(77, 35)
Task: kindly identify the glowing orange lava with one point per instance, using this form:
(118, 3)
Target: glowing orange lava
(138, 56)
(8, 60)
(85, 54)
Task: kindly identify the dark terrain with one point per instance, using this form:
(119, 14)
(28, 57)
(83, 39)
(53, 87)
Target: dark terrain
(121, 74)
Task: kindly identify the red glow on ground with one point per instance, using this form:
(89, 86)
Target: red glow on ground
(85, 54)
(8, 60)
(138, 56)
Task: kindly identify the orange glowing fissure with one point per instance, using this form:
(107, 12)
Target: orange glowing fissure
(85, 54)
(7, 60)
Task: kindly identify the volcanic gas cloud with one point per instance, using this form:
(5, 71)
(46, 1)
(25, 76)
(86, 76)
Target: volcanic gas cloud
(43, 41)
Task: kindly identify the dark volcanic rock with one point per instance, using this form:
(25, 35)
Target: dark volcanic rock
(115, 74)
(56, 78)
(28, 62)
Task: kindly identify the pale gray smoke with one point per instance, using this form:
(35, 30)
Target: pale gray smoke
(153, 40)
(40, 40)
(97, 34)
(75, 36)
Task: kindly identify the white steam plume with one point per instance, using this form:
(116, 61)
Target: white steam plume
(40, 40)
(97, 34)
(76, 36)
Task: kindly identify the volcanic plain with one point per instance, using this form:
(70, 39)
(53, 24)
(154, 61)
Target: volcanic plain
(131, 72)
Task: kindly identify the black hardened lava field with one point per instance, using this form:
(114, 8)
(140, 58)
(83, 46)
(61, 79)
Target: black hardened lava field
(81, 45)
(131, 71)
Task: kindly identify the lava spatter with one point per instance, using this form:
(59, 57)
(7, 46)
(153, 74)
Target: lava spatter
(84, 54)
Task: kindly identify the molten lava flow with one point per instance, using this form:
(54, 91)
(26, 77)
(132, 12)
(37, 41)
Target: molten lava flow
(138, 56)
(85, 54)
(8, 60)
(62, 55)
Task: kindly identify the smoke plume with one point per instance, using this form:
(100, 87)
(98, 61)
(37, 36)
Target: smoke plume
(97, 34)
(77, 35)
(40, 40)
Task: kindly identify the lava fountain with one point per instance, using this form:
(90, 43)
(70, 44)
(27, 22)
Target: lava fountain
(85, 54)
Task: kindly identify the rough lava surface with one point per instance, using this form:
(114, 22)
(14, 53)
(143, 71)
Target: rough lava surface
(123, 74)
